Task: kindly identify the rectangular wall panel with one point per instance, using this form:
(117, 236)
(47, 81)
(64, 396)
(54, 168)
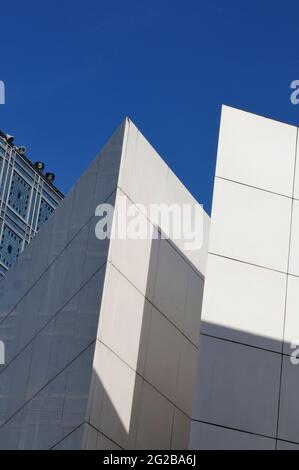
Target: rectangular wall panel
(244, 396)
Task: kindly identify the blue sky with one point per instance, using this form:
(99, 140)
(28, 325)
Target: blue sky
(73, 69)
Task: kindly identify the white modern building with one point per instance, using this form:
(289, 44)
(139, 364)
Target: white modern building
(109, 341)
(247, 385)
(101, 336)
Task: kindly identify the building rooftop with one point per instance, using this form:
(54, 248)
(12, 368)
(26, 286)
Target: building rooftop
(3, 136)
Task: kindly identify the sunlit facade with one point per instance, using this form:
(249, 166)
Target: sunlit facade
(101, 335)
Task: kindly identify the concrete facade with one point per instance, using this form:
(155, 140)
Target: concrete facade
(102, 336)
(246, 391)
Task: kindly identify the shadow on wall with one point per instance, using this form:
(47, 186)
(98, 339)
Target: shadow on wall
(246, 391)
(129, 385)
(142, 371)
(145, 356)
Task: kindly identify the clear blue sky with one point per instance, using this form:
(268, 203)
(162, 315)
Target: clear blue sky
(73, 69)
